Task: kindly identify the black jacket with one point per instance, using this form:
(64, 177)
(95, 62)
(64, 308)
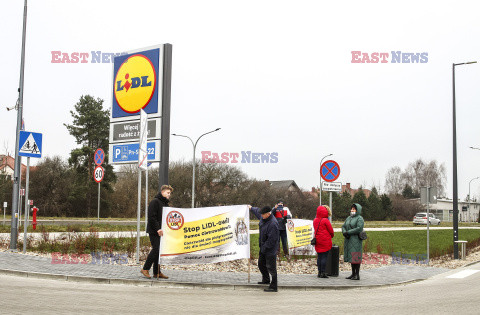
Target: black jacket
(269, 233)
(155, 211)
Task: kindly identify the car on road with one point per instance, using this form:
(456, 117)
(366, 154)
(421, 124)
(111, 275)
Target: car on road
(421, 218)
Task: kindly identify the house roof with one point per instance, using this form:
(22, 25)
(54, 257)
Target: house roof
(9, 161)
(282, 184)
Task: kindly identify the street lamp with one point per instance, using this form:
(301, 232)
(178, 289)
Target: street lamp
(194, 147)
(474, 148)
(455, 184)
(469, 193)
(320, 194)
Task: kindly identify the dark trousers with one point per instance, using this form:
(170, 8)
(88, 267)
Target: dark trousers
(268, 267)
(322, 261)
(283, 238)
(154, 253)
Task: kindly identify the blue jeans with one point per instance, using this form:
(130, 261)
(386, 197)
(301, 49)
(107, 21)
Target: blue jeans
(322, 261)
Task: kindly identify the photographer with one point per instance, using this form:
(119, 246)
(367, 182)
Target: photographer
(282, 214)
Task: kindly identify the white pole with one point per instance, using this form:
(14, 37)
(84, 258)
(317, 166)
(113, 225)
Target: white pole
(98, 207)
(27, 207)
(146, 197)
(138, 213)
(428, 226)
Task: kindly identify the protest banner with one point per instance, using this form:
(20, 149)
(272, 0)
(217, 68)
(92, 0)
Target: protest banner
(204, 235)
(299, 234)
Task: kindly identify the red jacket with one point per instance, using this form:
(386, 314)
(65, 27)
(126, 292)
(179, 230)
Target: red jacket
(323, 230)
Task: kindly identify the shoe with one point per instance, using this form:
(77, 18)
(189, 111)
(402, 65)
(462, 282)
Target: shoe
(323, 275)
(263, 282)
(145, 273)
(270, 290)
(161, 276)
(356, 277)
(319, 275)
(350, 276)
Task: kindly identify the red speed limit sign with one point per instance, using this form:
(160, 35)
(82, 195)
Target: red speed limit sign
(98, 174)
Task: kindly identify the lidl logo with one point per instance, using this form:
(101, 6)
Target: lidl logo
(135, 85)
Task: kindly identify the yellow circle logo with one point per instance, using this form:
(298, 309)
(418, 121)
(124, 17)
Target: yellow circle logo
(135, 83)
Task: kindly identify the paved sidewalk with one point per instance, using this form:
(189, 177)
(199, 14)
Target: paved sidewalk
(34, 266)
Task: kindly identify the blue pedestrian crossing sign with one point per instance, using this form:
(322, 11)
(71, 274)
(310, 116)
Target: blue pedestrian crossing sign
(30, 144)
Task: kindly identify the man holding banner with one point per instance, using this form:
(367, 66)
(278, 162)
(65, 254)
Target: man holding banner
(268, 241)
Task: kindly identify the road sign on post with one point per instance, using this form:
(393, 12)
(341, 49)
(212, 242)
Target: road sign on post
(98, 174)
(99, 157)
(330, 171)
(30, 144)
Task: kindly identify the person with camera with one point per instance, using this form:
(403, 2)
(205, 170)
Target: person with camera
(268, 241)
(323, 239)
(282, 214)
(352, 244)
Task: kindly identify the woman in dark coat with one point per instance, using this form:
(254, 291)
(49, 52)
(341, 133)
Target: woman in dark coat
(323, 234)
(352, 245)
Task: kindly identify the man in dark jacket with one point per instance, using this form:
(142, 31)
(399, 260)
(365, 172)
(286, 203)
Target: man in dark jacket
(281, 214)
(268, 241)
(154, 230)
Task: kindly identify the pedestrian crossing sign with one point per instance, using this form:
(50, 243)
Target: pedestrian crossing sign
(30, 144)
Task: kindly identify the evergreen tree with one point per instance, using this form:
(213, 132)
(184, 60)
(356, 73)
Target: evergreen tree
(408, 192)
(386, 207)
(374, 204)
(90, 128)
(361, 198)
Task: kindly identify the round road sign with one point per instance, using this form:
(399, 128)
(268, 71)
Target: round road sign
(99, 156)
(98, 174)
(330, 171)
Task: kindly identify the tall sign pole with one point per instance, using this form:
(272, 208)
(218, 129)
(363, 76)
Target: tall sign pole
(27, 207)
(18, 162)
(166, 96)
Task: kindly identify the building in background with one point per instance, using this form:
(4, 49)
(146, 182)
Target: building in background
(443, 210)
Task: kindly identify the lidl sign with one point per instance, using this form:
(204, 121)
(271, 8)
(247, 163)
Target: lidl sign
(135, 83)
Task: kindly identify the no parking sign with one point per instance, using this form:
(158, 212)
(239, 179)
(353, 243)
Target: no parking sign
(330, 171)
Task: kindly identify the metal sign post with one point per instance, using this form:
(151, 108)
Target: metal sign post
(5, 204)
(137, 257)
(428, 195)
(27, 207)
(98, 158)
(29, 145)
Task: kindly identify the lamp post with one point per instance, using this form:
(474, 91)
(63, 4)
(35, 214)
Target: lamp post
(469, 194)
(320, 194)
(194, 147)
(455, 184)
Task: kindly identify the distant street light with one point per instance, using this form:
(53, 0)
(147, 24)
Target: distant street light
(455, 184)
(320, 193)
(194, 147)
(469, 193)
(474, 148)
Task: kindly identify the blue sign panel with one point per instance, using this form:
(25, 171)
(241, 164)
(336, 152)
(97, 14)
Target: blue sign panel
(30, 144)
(129, 152)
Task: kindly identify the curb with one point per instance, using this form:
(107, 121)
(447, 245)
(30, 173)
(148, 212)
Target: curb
(192, 285)
(472, 263)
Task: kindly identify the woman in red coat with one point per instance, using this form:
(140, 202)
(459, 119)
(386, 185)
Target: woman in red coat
(323, 234)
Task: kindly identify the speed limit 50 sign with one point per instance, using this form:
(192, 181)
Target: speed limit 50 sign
(98, 174)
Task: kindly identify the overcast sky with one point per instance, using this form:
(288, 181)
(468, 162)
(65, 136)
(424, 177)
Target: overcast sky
(276, 76)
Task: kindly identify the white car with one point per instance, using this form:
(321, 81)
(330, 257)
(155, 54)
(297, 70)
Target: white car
(421, 218)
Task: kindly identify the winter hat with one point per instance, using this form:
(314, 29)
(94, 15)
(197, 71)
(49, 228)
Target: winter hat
(265, 209)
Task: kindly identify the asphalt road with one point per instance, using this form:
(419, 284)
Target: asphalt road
(436, 295)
